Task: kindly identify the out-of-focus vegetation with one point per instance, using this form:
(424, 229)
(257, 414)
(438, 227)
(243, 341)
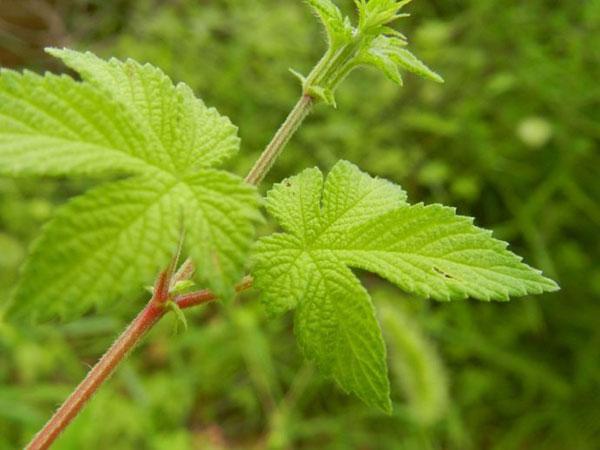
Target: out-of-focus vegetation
(512, 138)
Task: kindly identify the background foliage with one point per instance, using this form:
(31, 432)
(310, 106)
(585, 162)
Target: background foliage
(511, 138)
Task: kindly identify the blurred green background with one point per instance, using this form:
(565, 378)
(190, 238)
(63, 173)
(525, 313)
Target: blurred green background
(512, 138)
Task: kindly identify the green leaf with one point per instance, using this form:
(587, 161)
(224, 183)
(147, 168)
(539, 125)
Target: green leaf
(410, 62)
(354, 220)
(372, 42)
(52, 125)
(379, 56)
(87, 247)
(171, 115)
(375, 14)
(336, 327)
(432, 252)
(334, 320)
(339, 30)
(387, 54)
(124, 118)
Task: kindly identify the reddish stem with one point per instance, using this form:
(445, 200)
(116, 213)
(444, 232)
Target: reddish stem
(204, 296)
(97, 375)
(104, 368)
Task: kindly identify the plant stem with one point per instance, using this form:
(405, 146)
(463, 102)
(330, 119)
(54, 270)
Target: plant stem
(280, 139)
(199, 298)
(97, 375)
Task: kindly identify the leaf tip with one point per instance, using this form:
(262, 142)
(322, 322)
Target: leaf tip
(386, 406)
(551, 285)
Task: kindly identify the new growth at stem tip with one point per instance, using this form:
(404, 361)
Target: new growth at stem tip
(372, 42)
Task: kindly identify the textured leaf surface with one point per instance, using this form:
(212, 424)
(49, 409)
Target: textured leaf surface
(353, 220)
(171, 115)
(87, 247)
(123, 118)
(53, 125)
(336, 326)
(432, 252)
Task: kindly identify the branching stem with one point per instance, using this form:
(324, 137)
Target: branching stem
(137, 329)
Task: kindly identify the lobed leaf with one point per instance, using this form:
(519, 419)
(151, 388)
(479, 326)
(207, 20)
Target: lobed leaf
(353, 220)
(124, 118)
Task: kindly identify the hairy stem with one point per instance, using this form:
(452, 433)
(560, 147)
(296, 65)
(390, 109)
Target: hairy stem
(137, 329)
(281, 138)
(97, 375)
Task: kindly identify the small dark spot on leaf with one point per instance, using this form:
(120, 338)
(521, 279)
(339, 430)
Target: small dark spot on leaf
(442, 273)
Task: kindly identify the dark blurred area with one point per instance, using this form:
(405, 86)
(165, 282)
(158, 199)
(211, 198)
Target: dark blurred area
(26, 27)
(511, 138)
